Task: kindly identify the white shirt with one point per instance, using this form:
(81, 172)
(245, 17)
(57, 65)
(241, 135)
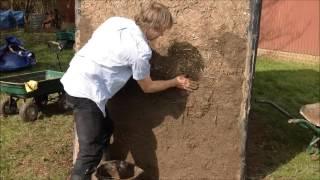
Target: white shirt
(117, 50)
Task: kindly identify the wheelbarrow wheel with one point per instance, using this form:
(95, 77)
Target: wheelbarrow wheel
(29, 111)
(62, 103)
(8, 106)
(41, 101)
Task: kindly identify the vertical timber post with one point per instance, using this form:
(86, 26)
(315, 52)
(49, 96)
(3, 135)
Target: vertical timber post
(253, 34)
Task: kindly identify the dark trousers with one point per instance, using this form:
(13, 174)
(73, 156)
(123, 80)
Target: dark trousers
(94, 132)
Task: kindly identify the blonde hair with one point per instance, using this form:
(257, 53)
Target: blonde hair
(154, 15)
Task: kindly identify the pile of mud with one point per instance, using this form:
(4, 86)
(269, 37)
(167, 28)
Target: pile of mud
(183, 58)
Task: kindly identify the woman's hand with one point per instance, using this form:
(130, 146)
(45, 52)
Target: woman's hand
(185, 83)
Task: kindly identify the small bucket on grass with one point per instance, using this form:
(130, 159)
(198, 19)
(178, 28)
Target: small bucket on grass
(117, 169)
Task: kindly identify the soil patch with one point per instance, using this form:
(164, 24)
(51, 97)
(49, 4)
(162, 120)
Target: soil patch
(174, 134)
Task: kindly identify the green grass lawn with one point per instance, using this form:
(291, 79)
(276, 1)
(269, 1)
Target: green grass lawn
(276, 149)
(40, 149)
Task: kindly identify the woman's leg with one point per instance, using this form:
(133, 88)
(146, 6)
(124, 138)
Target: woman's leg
(93, 132)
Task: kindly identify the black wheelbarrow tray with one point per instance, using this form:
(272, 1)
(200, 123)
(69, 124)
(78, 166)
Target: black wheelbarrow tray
(16, 87)
(310, 120)
(117, 170)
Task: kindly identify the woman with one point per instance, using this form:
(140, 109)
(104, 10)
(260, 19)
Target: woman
(117, 50)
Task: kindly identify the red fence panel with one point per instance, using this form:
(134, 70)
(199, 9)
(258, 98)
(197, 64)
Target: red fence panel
(290, 26)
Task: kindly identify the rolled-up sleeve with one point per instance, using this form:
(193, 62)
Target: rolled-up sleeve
(141, 66)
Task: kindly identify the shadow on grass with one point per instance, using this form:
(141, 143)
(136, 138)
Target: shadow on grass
(273, 142)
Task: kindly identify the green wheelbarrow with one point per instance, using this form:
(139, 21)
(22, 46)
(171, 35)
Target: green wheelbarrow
(310, 120)
(34, 88)
(66, 38)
